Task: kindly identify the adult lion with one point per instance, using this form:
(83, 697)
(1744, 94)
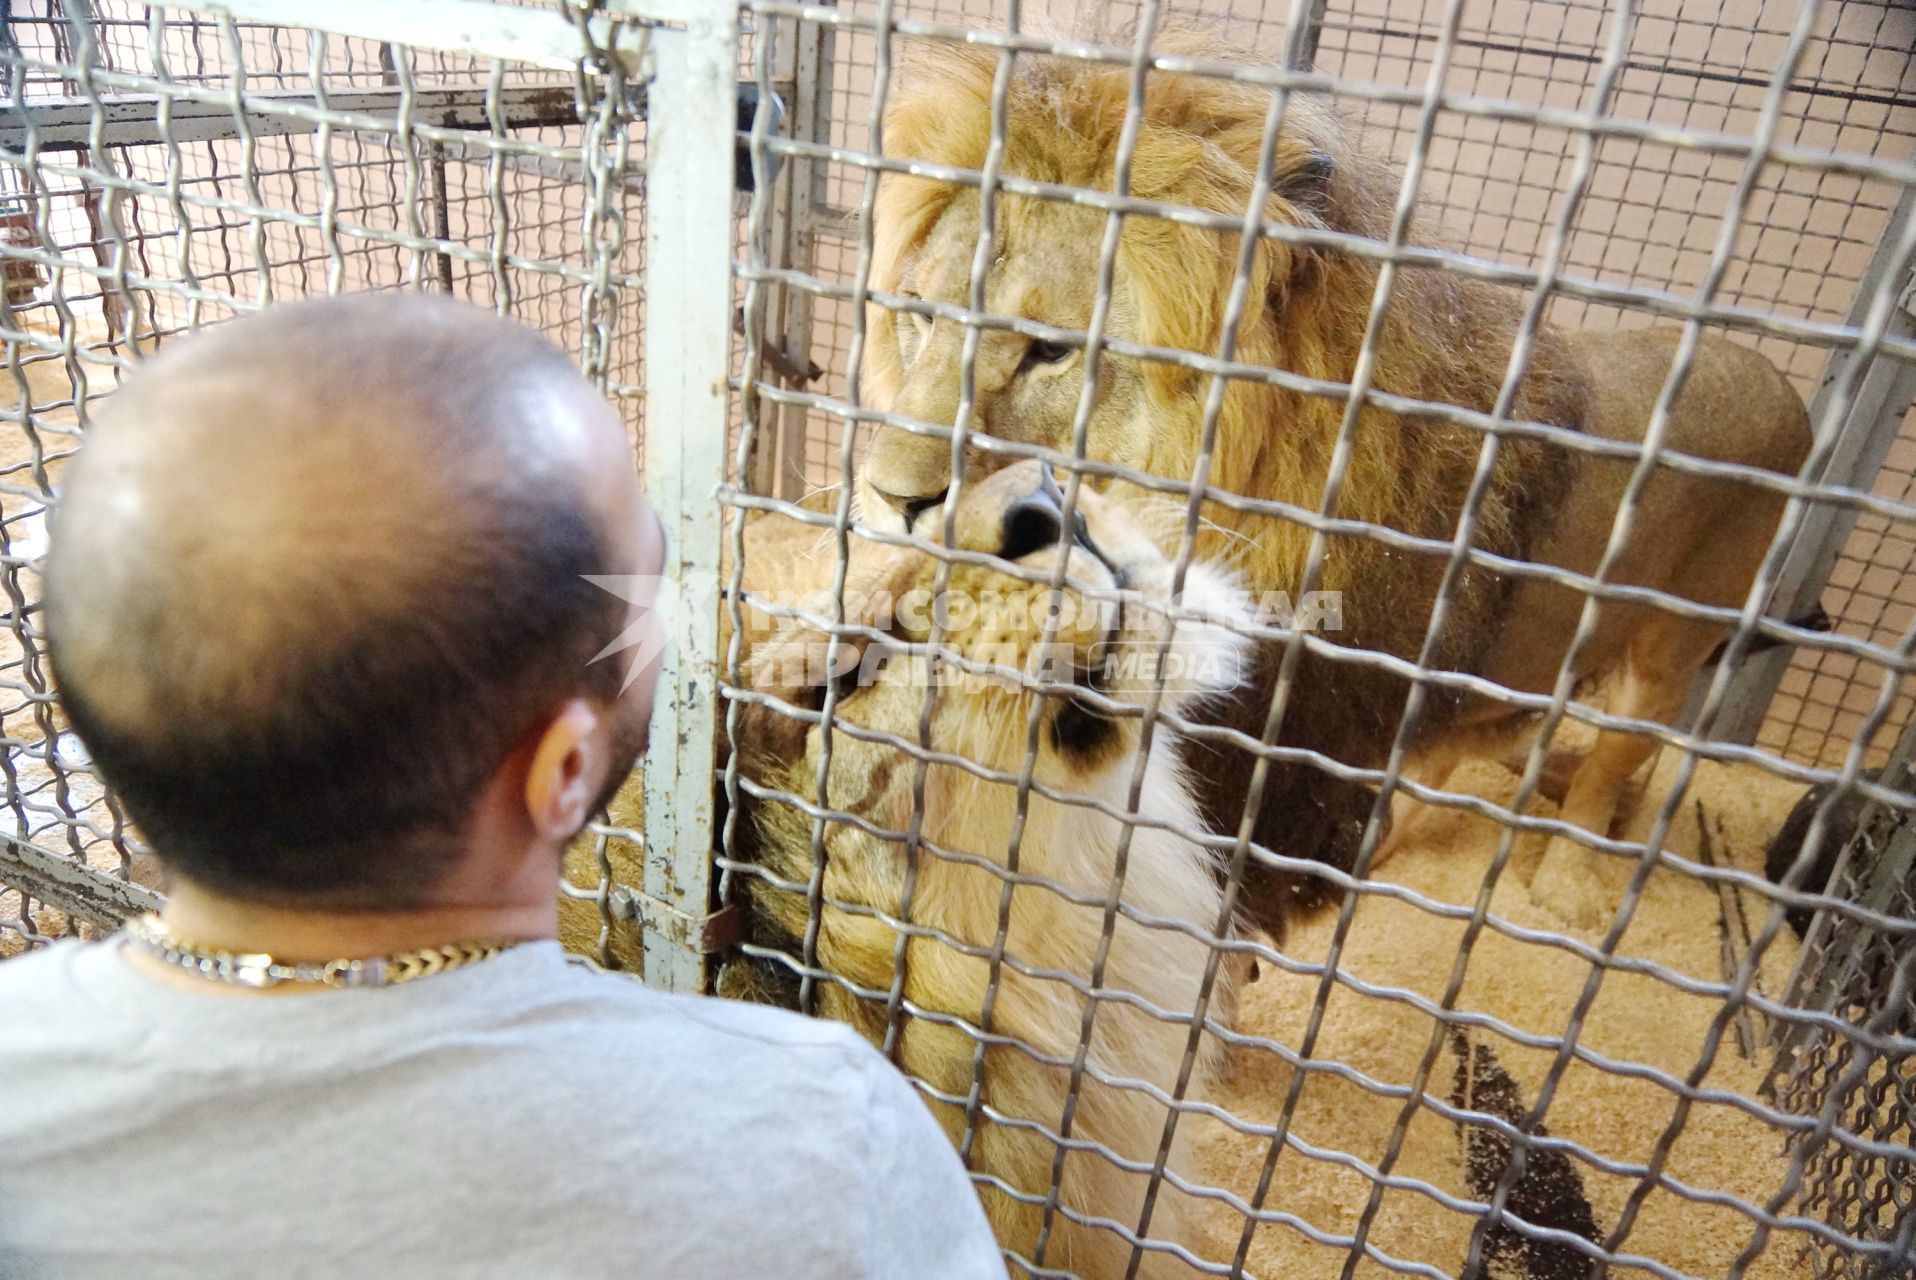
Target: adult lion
(1444, 339)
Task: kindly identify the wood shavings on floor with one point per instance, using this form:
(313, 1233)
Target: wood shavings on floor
(1680, 923)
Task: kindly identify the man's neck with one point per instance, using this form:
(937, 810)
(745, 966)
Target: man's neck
(296, 936)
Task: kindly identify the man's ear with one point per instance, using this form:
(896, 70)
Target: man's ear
(562, 780)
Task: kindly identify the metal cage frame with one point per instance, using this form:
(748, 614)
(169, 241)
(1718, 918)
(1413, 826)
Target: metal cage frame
(596, 104)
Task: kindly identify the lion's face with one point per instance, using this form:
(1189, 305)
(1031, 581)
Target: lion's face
(1024, 389)
(993, 676)
(1197, 146)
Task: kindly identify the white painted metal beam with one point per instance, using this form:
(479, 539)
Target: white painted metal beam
(690, 136)
(65, 124)
(72, 886)
(525, 36)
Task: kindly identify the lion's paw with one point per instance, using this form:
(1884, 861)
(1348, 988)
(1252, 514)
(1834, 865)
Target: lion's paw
(1569, 885)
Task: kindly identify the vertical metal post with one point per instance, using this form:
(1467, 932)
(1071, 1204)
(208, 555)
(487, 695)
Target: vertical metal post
(441, 211)
(811, 121)
(690, 122)
(1301, 52)
(112, 305)
(778, 36)
(1875, 420)
(801, 76)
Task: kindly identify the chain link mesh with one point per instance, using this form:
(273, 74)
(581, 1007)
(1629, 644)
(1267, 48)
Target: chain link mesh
(1744, 169)
(1861, 1084)
(164, 171)
(1609, 165)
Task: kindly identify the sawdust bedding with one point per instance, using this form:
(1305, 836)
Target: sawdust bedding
(1680, 922)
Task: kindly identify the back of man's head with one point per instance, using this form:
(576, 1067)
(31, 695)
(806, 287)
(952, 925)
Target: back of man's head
(317, 574)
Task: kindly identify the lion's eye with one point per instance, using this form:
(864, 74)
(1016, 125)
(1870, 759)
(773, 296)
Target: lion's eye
(852, 674)
(1040, 353)
(921, 324)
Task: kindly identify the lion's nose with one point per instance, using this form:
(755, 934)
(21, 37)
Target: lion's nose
(1035, 521)
(911, 506)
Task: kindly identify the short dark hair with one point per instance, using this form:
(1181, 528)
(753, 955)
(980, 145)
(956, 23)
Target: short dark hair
(354, 787)
(350, 780)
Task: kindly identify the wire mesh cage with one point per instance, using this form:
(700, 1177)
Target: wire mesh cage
(1855, 1072)
(1387, 1081)
(1207, 495)
(167, 171)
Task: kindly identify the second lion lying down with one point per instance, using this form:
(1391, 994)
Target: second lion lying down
(988, 876)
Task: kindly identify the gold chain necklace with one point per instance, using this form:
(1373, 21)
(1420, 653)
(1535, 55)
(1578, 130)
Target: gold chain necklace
(256, 969)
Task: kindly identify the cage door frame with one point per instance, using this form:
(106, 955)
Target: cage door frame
(690, 136)
(1871, 426)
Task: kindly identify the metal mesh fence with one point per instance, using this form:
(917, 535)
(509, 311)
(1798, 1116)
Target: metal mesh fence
(1404, 1090)
(1327, 1028)
(164, 171)
(1854, 1078)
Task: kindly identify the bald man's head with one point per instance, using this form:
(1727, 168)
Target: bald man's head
(317, 574)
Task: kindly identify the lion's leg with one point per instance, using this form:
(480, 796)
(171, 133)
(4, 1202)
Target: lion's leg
(1484, 732)
(1409, 815)
(1660, 665)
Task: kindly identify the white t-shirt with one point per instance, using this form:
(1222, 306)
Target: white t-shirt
(523, 1118)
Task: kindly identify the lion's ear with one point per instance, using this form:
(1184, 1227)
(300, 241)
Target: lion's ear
(1302, 176)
